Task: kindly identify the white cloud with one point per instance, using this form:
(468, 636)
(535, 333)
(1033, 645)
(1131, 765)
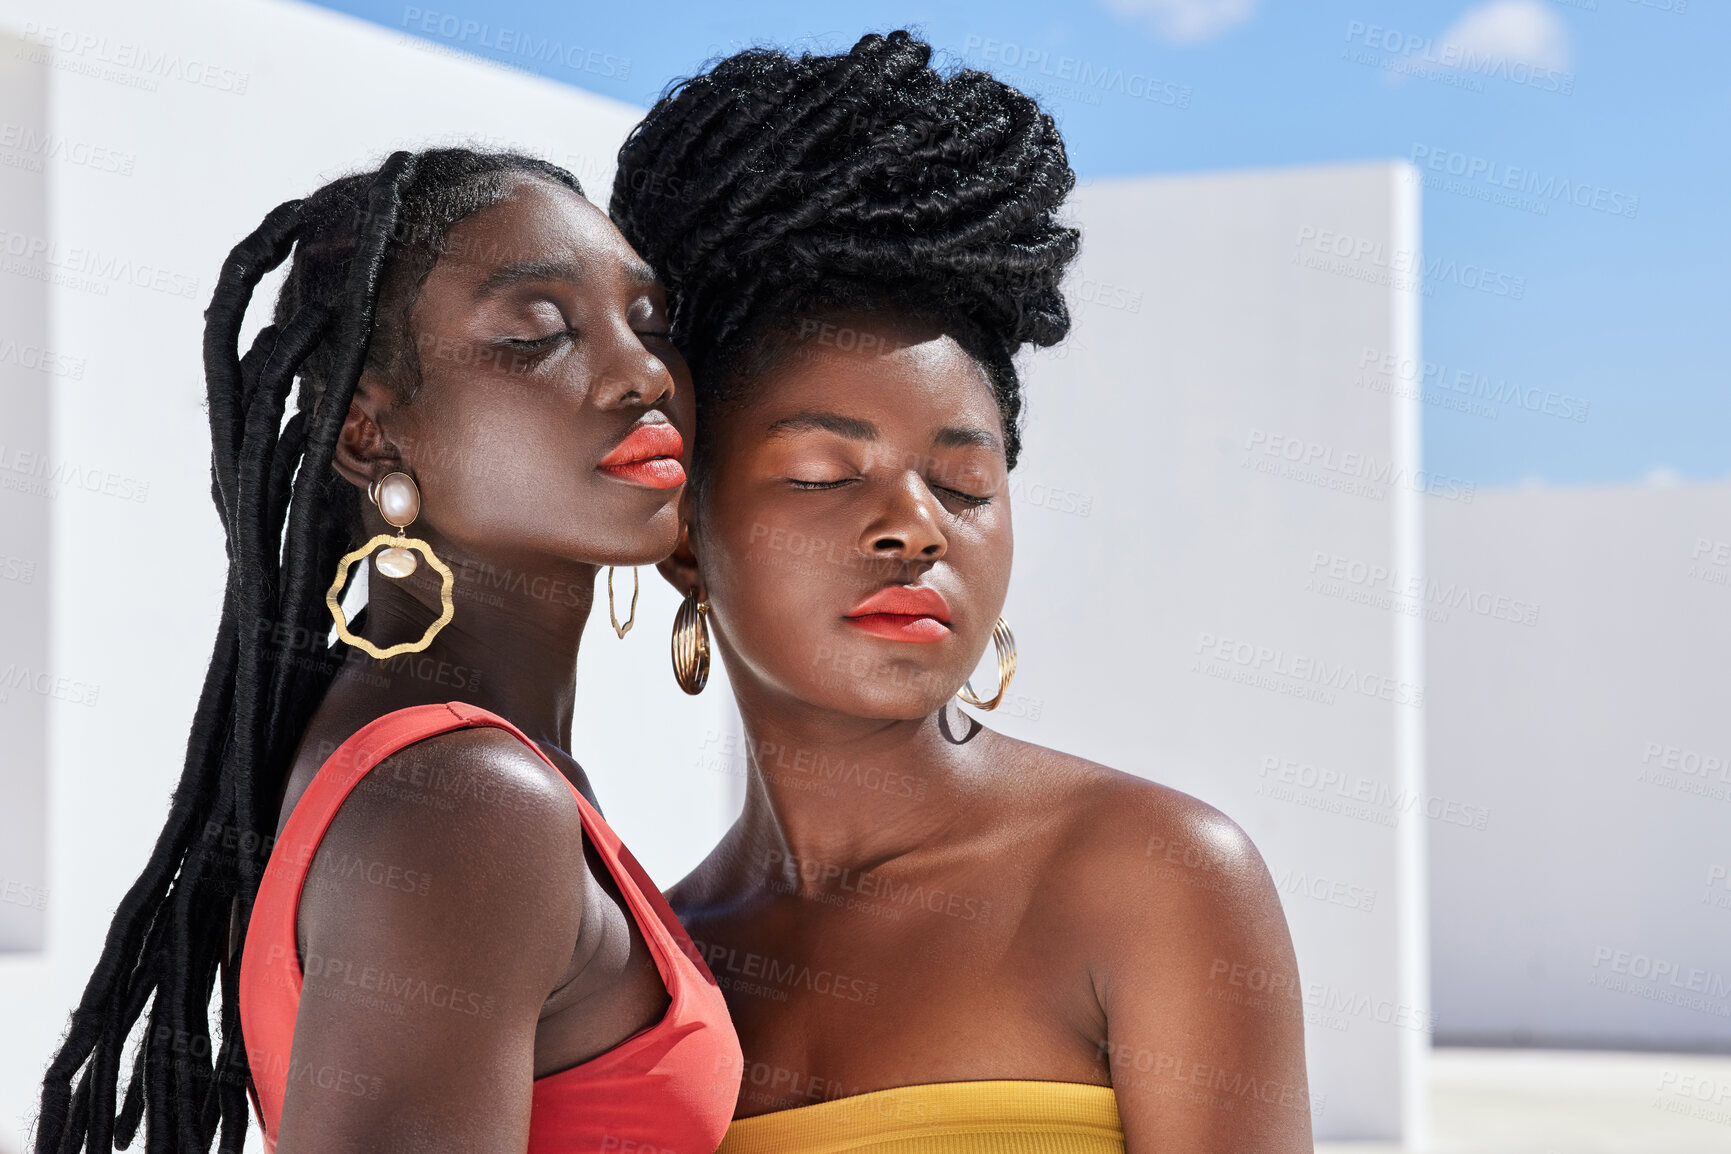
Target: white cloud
(1662, 477)
(1518, 31)
(1185, 21)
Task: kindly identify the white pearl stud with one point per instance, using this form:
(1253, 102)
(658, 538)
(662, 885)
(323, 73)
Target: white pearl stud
(398, 499)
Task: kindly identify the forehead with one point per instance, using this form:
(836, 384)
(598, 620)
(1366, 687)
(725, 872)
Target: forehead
(534, 220)
(890, 374)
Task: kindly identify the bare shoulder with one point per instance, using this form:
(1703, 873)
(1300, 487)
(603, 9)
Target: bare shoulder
(1124, 839)
(470, 818)
(440, 911)
(1189, 960)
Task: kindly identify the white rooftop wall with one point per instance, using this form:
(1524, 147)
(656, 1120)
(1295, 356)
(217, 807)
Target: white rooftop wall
(1191, 451)
(1580, 693)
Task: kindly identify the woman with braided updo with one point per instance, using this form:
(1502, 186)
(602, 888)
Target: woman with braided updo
(445, 946)
(932, 938)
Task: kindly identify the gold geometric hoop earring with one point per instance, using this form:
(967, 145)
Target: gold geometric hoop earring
(691, 645)
(1005, 643)
(631, 620)
(398, 499)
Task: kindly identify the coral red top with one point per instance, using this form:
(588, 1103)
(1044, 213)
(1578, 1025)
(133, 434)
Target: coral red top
(668, 1088)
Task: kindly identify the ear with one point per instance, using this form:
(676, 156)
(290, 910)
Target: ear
(363, 453)
(681, 568)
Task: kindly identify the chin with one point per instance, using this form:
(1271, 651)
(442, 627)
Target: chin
(647, 544)
(899, 697)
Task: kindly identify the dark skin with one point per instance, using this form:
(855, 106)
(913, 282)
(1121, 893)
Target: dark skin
(984, 908)
(542, 344)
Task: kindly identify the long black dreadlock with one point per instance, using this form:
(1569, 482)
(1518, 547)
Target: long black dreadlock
(362, 247)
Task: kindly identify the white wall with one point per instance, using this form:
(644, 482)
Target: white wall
(1163, 594)
(1578, 657)
(30, 372)
(173, 129)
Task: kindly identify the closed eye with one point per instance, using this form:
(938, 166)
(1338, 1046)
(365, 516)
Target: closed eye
(965, 498)
(533, 343)
(798, 484)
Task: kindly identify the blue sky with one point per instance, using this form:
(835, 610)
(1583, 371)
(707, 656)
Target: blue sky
(1588, 140)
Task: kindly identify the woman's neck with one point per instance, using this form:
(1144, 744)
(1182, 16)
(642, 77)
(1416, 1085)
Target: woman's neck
(511, 646)
(827, 792)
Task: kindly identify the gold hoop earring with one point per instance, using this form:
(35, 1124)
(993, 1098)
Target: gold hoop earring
(1005, 643)
(613, 616)
(691, 645)
(398, 499)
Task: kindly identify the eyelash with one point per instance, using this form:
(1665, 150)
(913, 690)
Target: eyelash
(538, 343)
(967, 499)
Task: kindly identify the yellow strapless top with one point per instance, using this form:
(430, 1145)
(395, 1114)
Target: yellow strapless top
(942, 1118)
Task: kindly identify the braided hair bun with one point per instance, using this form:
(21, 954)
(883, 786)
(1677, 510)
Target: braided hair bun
(773, 187)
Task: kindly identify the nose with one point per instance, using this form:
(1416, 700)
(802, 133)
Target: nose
(632, 377)
(907, 527)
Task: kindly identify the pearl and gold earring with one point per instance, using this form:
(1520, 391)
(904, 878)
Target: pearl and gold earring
(398, 500)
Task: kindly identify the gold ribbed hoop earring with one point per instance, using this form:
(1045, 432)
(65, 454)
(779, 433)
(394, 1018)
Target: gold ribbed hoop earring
(1005, 643)
(691, 645)
(399, 502)
(631, 619)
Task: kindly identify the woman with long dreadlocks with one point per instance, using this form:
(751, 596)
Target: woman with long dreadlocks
(445, 947)
(1022, 950)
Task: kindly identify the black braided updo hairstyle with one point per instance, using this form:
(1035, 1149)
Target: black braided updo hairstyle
(773, 188)
(362, 246)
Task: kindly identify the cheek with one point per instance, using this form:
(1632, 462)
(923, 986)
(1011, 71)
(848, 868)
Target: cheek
(772, 563)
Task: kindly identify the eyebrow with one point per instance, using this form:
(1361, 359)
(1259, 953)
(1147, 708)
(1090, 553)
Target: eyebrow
(637, 275)
(856, 429)
(519, 272)
(853, 428)
(966, 437)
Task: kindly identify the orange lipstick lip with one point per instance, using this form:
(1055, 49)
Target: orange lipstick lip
(648, 456)
(903, 613)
